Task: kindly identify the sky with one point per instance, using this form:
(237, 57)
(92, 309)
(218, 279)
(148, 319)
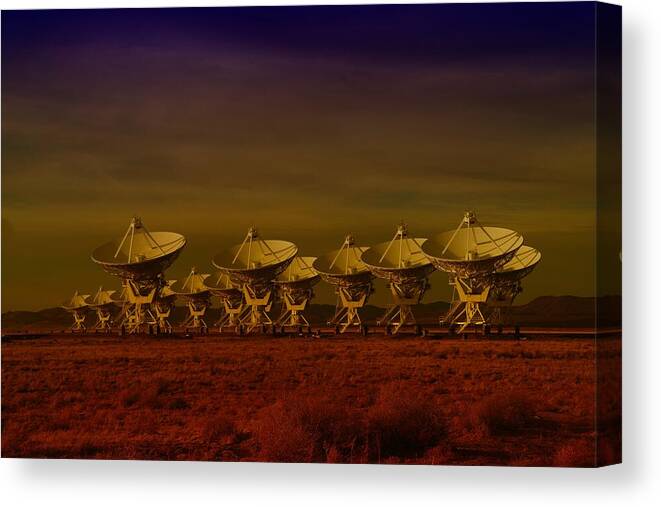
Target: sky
(308, 123)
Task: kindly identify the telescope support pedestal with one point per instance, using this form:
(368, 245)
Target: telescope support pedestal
(346, 314)
(467, 310)
(258, 306)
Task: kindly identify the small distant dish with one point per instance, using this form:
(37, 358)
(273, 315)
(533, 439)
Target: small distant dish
(299, 273)
(104, 302)
(76, 302)
(77, 306)
(105, 298)
(521, 265)
(192, 286)
(198, 299)
(344, 266)
(230, 295)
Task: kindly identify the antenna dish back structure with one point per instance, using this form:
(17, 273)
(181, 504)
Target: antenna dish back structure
(139, 259)
(198, 299)
(402, 263)
(506, 281)
(77, 306)
(295, 286)
(103, 303)
(352, 279)
(254, 264)
(231, 296)
(470, 255)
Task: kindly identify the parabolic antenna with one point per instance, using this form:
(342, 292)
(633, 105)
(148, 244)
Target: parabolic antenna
(254, 264)
(471, 249)
(104, 302)
(140, 254)
(506, 282)
(230, 295)
(403, 264)
(521, 265)
(295, 285)
(77, 305)
(471, 254)
(197, 296)
(344, 266)
(139, 258)
(352, 279)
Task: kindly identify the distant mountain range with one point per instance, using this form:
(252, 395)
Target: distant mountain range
(552, 311)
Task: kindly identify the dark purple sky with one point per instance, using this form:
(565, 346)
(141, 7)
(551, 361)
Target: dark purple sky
(310, 122)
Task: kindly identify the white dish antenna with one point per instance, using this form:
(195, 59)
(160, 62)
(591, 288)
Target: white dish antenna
(471, 254)
(472, 249)
(139, 254)
(231, 296)
(401, 262)
(295, 285)
(254, 264)
(198, 299)
(140, 258)
(77, 306)
(352, 279)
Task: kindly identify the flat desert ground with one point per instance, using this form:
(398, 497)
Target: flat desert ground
(347, 399)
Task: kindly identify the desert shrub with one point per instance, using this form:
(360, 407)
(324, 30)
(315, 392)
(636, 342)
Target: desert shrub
(503, 414)
(403, 422)
(578, 453)
(219, 428)
(179, 404)
(129, 397)
(306, 428)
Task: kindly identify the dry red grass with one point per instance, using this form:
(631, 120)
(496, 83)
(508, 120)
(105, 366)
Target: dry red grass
(346, 400)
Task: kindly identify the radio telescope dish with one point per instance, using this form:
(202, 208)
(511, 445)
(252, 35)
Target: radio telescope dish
(470, 255)
(231, 297)
(522, 264)
(506, 281)
(139, 255)
(104, 302)
(140, 258)
(198, 299)
(352, 279)
(471, 249)
(403, 264)
(77, 306)
(295, 285)
(254, 264)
